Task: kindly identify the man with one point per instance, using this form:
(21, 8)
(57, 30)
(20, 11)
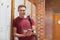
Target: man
(22, 27)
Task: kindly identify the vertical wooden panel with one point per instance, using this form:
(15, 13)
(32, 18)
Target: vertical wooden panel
(25, 2)
(56, 32)
(12, 17)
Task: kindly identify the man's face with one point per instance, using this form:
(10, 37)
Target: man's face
(22, 11)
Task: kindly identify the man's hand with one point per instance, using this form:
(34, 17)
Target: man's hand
(27, 32)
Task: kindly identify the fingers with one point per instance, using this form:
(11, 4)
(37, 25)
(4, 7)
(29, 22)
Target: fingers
(28, 33)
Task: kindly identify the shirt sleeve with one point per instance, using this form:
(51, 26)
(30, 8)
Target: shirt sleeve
(14, 23)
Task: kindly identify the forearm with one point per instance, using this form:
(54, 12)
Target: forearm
(34, 30)
(18, 35)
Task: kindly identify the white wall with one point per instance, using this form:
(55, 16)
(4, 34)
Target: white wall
(5, 19)
(5, 16)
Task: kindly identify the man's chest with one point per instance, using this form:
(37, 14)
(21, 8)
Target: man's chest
(24, 23)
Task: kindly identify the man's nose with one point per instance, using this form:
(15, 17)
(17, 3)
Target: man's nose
(22, 11)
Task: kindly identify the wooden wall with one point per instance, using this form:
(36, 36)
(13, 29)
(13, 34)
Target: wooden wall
(56, 31)
(55, 6)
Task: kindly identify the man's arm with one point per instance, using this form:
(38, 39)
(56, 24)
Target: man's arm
(20, 35)
(34, 30)
(16, 34)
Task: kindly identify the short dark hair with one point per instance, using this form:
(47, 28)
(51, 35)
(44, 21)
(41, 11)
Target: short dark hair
(21, 6)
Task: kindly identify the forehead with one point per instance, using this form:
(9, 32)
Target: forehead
(21, 8)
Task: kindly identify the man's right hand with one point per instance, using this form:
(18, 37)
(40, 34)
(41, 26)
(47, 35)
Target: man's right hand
(27, 33)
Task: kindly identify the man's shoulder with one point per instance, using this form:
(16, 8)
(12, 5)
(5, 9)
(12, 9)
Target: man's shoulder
(16, 18)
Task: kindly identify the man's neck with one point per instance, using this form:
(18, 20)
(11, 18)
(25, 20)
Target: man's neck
(23, 16)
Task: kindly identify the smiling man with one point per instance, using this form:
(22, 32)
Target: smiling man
(22, 26)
